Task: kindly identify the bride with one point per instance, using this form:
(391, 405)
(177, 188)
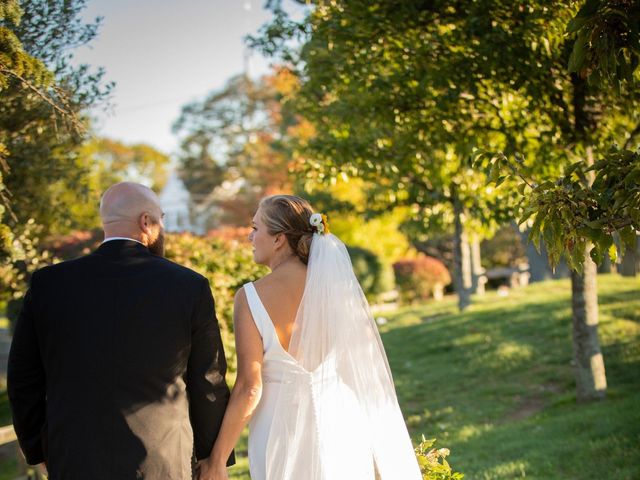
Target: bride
(313, 379)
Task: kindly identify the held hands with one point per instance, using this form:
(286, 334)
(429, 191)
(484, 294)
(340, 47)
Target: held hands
(40, 471)
(205, 470)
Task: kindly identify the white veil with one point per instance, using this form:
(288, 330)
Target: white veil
(337, 413)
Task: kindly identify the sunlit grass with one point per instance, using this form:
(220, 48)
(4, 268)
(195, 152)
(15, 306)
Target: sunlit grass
(495, 383)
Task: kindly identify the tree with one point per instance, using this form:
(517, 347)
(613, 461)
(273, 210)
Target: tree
(385, 88)
(580, 214)
(15, 63)
(105, 162)
(41, 128)
(41, 125)
(233, 135)
(114, 161)
(44, 131)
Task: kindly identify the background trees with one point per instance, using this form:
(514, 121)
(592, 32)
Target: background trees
(234, 136)
(43, 132)
(42, 128)
(580, 214)
(398, 95)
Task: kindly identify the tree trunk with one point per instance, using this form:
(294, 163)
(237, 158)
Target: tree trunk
(638, 253)
(630, 261)
(591, 381)
(464, 298)
(467, 277)
(477, 272)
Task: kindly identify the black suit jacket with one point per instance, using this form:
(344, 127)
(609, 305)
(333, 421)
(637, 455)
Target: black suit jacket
(117, 368)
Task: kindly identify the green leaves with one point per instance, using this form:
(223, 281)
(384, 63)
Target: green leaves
(578, 55)
(433, 463)
(607, 41)
(14, 61)
(569, 214)
(632, 178)
(427, 84)
(613, 253)
(10, 11)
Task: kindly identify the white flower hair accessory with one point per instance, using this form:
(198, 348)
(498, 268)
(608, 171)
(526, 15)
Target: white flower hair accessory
(319, 223)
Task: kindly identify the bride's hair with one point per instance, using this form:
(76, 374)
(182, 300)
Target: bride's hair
(290, 215)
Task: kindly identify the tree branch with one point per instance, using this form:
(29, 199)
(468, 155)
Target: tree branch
(68, 114)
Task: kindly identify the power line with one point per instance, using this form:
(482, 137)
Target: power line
(145, 106)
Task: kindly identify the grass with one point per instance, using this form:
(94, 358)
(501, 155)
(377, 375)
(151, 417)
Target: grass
(495, 383)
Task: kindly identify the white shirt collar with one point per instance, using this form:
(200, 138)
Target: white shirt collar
(108, 239)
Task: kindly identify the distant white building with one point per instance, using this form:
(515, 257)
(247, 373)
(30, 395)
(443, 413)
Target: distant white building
(184, 215)
(176, 204)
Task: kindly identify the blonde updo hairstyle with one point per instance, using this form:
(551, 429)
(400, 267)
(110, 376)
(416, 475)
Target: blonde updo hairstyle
(289, 214)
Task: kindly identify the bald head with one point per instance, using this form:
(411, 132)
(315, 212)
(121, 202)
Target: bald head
(126, 201)
(132, 210)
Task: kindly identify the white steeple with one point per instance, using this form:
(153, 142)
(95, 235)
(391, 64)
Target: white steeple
(176, 202)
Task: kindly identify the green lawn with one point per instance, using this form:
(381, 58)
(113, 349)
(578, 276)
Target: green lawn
(495, 384)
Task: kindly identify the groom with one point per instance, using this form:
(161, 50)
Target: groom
(116, 369)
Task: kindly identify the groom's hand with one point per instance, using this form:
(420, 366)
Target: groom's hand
(206, 471)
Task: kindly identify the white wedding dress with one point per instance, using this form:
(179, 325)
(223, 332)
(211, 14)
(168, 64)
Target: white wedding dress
(328, 409)
(277, 365)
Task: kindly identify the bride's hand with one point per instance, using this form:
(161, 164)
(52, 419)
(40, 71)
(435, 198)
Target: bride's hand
(206, 471)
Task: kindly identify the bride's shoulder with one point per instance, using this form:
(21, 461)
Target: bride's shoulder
(240, 297)
(259, 284)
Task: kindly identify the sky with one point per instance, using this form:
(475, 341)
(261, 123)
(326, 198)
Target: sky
(163, 54)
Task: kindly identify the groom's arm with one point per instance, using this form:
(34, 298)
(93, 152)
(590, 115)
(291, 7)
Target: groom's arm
(26, 383)
(208, 391)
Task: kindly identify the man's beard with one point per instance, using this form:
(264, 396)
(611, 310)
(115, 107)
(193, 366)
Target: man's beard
(157, 246)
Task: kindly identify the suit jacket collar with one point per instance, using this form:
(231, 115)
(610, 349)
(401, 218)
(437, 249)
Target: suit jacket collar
(121, 248)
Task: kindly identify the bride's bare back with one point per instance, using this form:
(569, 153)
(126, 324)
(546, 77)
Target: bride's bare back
(281, 293)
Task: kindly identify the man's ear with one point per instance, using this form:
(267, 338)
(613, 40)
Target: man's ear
(144, 222)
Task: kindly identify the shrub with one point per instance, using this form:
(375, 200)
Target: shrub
(17, 265)
(74, 244)
(433, 463)
(370, 272)
(238, 234)
(421, 278)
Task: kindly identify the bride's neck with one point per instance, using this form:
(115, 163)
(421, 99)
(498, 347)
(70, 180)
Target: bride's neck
(282, 261)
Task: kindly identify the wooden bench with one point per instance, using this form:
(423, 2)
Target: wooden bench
(514, 277)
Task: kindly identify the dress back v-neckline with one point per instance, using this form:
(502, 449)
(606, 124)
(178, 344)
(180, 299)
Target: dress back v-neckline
(257, 302)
